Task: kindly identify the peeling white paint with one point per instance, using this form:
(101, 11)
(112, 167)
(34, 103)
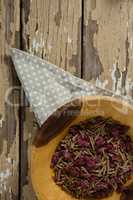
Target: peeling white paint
(128, 86)
(101, 84)
(36, 45)
(113, 77)
(5, 174)
(118, 89)
(1, 122)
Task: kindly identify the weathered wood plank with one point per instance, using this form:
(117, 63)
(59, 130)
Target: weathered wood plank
(9, 121)
(51, 30)
(108, 30)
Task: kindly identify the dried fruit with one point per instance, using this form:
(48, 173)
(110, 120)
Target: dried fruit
(94, 159)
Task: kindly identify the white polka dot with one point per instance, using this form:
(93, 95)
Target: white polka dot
(46, 85)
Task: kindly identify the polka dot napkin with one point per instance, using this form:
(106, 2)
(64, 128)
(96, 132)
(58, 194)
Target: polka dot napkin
(48, 87)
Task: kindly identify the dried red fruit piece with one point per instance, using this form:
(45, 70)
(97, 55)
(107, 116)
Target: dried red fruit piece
(94, 159)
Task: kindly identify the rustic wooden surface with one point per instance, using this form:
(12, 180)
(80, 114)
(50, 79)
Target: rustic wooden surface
(51, 30)
(108, 46)
(90, 38)
(9, 121)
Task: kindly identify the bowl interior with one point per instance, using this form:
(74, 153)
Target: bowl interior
(41, 174)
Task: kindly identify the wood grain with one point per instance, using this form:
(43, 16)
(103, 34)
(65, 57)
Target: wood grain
(51, 30)
(9, 122)
(108, 44)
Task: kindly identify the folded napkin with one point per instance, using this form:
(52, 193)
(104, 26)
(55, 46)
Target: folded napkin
(47, 86)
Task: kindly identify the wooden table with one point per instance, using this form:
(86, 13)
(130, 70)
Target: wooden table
(92, 39)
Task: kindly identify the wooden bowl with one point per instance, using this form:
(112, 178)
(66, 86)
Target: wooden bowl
(41, 174)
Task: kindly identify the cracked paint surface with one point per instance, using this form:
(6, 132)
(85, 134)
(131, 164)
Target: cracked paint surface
(113, 42)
